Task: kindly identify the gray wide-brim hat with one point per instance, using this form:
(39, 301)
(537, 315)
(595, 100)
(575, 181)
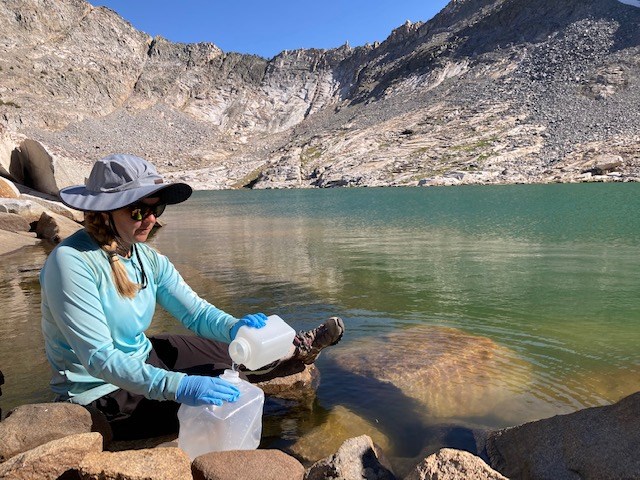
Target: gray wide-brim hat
(120, 180)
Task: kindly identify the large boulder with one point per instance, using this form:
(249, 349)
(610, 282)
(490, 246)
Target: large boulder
(450, 464)
(53, 460)
(32, 425)
(9, 142)
(247, 465)
(147, 464)
(55, 228)
(603, 164)
(443, 372)
(34, 166)
(358, 458)
(594, 443)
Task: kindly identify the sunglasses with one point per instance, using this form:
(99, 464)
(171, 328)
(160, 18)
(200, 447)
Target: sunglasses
(140, 211)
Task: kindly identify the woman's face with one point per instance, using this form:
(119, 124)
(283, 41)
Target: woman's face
(134, 230)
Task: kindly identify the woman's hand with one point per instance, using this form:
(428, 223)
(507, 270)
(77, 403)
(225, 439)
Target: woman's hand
(253, 320)
(195, 390)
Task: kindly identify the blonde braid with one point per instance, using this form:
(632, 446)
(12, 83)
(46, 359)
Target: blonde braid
(95, 223)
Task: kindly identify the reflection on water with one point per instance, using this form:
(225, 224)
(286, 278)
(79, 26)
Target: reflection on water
(22, 359)
(543, 277)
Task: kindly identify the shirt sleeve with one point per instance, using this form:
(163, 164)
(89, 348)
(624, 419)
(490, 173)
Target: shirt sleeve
(198, 315)
(74, 301)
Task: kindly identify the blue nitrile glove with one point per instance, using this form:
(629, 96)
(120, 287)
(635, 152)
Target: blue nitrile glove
(194, 390)
(254, 320)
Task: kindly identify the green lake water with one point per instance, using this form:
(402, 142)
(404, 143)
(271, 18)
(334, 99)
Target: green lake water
(548, 273)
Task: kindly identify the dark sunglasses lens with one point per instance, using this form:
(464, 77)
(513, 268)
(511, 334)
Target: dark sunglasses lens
(158, 209)
(139, 212)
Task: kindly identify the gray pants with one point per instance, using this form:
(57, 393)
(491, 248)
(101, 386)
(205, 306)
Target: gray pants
(132, 416)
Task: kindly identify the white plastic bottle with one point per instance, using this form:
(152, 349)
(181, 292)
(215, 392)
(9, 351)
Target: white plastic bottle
(256, 347)
(232, 426)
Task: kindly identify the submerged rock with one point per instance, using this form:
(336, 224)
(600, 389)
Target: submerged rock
(603, 385)
(340, 425)
(449, 372)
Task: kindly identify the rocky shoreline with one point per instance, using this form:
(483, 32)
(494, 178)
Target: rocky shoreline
(67, 441)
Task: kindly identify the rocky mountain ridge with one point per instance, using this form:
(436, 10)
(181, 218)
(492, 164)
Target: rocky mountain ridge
(488, 91)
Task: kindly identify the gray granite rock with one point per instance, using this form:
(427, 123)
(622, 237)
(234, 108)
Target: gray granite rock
(44, 169)
(357, 458)
(594, 443)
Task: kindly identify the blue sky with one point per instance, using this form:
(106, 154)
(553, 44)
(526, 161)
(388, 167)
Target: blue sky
(267, 27)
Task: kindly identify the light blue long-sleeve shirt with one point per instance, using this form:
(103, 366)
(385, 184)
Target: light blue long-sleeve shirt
(94, 337)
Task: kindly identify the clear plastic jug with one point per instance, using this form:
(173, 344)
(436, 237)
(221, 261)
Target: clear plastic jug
(232, 426)
(256, 347)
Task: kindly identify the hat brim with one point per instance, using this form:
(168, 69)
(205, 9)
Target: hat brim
(79, 198)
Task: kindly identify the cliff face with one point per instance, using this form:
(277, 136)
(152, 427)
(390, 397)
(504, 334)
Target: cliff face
(488, 91)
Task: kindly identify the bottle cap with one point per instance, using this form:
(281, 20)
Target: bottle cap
(231, 375)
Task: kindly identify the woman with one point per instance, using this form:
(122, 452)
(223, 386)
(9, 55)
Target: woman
(99, 291)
